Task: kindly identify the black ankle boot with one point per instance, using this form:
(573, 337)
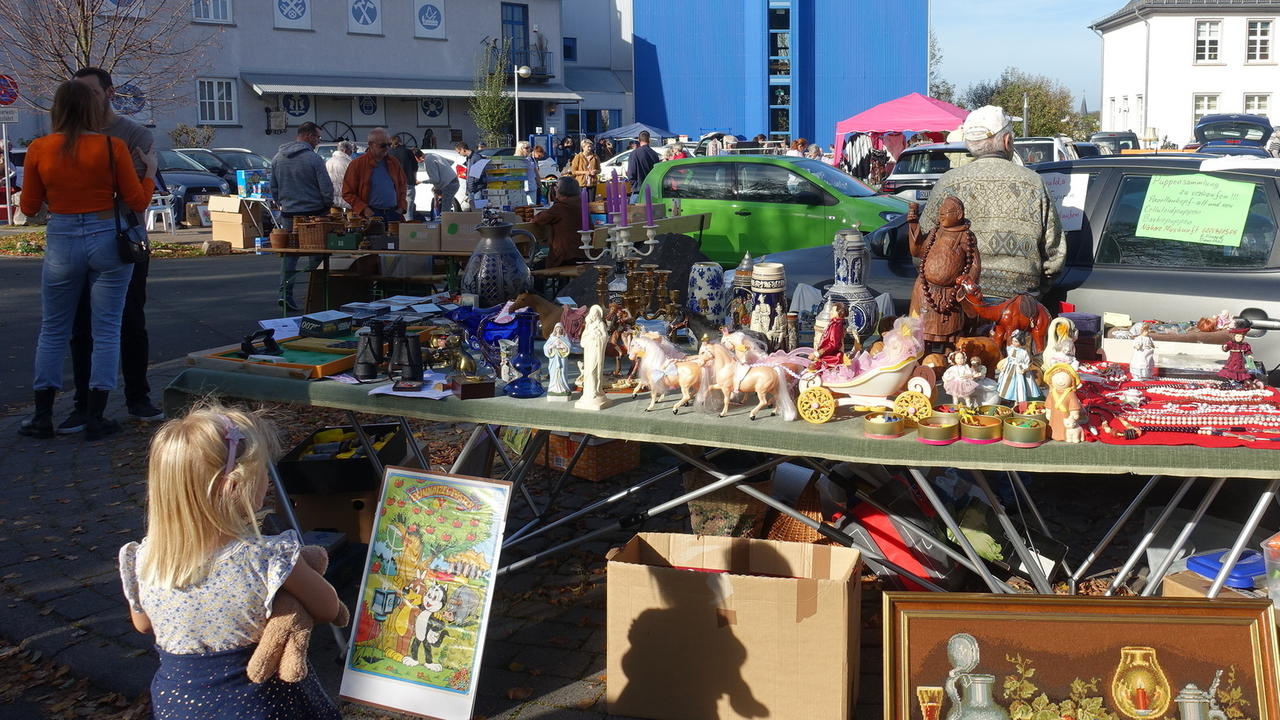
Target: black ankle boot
(97, 426)
(40, 424)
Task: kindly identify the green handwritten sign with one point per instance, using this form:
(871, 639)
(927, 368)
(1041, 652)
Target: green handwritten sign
(1195, 208)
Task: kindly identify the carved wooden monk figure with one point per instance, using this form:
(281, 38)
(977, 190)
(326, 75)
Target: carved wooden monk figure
(948, 253)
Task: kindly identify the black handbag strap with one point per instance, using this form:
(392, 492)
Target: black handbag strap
(115, 184)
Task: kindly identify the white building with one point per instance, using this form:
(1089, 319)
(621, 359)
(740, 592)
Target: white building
(407, 65)
(1166, 63)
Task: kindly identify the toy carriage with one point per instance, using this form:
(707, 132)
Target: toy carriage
(905, 387)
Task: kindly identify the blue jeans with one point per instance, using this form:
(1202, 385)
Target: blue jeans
(289, 270)
(80, 250)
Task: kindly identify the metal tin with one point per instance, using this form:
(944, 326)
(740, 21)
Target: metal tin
(1033, 409)
(1000, 411)
(938, 430)
(984, 429)
(883, 426)
(947, 409)
(1025, 431)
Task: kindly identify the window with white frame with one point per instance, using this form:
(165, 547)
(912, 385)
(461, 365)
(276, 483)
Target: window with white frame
(1259, 49)
(1205, 104)
(1257, 103)
(218, 11)
(1208, 35)
(216, 100)
(1111, 112)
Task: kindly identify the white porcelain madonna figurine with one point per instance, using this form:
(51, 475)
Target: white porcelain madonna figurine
(595, 337)
(557, 349)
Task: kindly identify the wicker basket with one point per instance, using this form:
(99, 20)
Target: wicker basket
(788, 529)
(727, 512)
(312, 235)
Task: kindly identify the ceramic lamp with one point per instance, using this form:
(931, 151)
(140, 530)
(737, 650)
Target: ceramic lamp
(496, 271)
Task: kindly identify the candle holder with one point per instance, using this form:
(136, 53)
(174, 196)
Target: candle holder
(620, 243)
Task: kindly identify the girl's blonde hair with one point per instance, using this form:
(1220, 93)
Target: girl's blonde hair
(194, 505)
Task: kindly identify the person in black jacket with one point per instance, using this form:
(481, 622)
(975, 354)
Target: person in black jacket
(642, 160)
(408, 163)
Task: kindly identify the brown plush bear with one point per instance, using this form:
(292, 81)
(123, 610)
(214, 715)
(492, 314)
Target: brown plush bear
(287, 635)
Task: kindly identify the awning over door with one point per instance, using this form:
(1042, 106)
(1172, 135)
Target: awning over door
(347, 85)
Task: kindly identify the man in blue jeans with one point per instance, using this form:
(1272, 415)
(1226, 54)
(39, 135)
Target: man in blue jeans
(301, 186)
(374, 185)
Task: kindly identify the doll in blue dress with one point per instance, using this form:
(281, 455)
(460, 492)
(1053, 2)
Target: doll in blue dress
(1015, 380)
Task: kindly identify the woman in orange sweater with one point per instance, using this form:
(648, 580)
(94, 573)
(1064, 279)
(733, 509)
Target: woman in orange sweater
(75, 169)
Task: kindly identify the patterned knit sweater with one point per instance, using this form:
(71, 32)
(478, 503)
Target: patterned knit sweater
(1020, 237)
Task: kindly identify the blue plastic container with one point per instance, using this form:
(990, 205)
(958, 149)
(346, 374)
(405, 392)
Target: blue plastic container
(1249, 566)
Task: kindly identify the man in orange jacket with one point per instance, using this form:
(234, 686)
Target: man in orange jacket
(374, 185)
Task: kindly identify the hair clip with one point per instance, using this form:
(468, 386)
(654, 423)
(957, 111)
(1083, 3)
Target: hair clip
(233, 436)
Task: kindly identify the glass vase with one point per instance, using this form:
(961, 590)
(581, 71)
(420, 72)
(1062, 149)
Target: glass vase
(525, 362)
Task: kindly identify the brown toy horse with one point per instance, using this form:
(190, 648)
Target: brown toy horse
(1022, 312)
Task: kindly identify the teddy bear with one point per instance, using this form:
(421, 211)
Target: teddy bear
(287, 634)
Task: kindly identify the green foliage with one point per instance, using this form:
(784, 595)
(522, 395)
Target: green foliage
(939, 87)
(1049, 104)
(491, 107)
(1028, 703)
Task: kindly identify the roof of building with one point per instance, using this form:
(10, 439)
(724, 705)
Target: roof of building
(1129, 12)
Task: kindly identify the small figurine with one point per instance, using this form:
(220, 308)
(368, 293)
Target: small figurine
(949, 252)
(1020, 312)
(1061, 344)
(1239, 353)
(961, 380)
(1062, 407)
(557, 348)
(986, 394)
(830, 350)
(506, 349)
(618, 321)
(739, 316)
(595, 337)
(791, 333)
(1014, 378)
(1142, 363)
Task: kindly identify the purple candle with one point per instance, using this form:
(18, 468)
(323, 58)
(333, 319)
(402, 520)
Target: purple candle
(622, 204)
(648, 205)
(586, 210)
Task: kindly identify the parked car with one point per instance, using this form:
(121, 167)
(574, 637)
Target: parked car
(224, 162)
(1117, 141)
(1110, 267)
(918, 169)
(765, 204)
(424, 194)
(617, 163)
(1043, 149)
(187, 178)
(1234, 134)
(1090, 149)
(17, 156)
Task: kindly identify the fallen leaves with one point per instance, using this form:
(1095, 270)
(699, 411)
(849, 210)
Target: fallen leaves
(519, 693)
(29, 677)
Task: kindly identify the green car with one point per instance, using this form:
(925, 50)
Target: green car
(765, 204)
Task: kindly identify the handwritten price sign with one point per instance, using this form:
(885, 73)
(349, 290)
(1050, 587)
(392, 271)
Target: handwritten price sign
(1195, 208)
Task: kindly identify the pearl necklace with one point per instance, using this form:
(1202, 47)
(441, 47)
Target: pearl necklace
(1146, 417)
(1209, 392)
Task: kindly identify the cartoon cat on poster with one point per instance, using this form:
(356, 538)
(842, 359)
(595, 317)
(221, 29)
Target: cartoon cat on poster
(430, 572)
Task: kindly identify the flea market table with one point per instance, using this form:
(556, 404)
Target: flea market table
(696, 438)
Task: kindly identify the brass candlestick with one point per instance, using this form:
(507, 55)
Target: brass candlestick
(602, 284)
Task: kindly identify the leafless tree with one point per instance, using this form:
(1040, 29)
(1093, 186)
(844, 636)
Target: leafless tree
(152, 44)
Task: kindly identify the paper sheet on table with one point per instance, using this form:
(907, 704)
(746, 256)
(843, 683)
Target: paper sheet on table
(1195, 208)
(884, 303)
(1068, 192)
(431, 389)
(428, 308)
(285, 327)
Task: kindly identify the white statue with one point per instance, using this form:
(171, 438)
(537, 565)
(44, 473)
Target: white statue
(760, 318)
(595, 338)
(1060, 344)
(1142, 363)
(557, 351)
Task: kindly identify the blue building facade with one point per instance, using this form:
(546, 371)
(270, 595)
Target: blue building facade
(785, 68)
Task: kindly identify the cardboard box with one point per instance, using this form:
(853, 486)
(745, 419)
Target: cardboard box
(197, 214)
(701, 628)
(1189, 583)
(458, 233)
(351, 513)
(235, 221)
(601, 459)
(419, 236)
(329, 323)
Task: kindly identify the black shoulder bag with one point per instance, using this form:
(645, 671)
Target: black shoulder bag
(131, 238)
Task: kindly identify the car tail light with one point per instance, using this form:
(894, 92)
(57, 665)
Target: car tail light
(461, 170)
(888, 185)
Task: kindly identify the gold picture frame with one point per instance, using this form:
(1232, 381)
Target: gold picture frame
(1021, 657)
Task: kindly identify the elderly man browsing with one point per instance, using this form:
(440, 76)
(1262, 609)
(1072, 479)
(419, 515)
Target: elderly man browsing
(562, 219)
(375, 185)
(1009, 210)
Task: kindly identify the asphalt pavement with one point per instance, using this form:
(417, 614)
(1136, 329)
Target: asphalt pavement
(192, 303)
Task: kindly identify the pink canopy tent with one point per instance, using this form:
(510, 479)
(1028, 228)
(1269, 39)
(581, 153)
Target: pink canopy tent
(909, 113)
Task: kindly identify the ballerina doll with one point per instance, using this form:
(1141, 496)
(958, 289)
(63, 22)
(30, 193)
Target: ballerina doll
(960, 380)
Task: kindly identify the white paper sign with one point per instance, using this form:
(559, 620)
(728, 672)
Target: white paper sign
(298, 109)
(367, 111)
(292, 14)
(433, 111)
(428, 19)
(1068, 193)
(364, 17)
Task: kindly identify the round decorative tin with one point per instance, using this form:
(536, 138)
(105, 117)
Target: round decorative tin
(1033, 409)
(883, 426)
(938, 430)
(999, 411)
(981, 429)
(1025, 432)
(947, 409)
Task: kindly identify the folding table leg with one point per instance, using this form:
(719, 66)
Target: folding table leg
(367, 445)
(539, 516)
(476, 458)
(413, 443)
(1150, 536)
(1111, 533)
(1255, 517)
(1038, 577)
(520, 468)
(1153, 580)
(992, 583)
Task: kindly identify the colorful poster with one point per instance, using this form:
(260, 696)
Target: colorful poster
(364, 17)
(1196, 208)
(428, 19)
(367, 111)
(425, 597)
(292, 14)
(433, 112)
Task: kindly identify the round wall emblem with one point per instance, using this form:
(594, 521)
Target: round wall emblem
(430, 17)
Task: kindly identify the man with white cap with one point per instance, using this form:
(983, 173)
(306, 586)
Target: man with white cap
(1020, 238)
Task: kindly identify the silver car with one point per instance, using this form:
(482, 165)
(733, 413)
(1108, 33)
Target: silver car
(918, 169)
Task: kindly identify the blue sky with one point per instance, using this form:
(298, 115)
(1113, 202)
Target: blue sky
(980, 38)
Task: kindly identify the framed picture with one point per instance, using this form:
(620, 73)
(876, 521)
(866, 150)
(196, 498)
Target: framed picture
(1026, 657)
(426, 593)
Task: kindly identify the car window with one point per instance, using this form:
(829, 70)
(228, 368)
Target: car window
(1120, 244)
(842, 182)
(930, 162)
(243, 161)
(704, 181)
(204, 158)
(1034, 152)
(1233, 131)
(771, 184)
(173, 160)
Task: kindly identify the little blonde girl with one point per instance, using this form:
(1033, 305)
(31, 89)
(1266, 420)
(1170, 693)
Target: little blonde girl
(204, 577)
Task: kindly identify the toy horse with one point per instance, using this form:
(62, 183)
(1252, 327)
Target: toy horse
(1021, 312)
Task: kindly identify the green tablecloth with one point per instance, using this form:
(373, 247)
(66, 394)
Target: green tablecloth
(841, 439)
